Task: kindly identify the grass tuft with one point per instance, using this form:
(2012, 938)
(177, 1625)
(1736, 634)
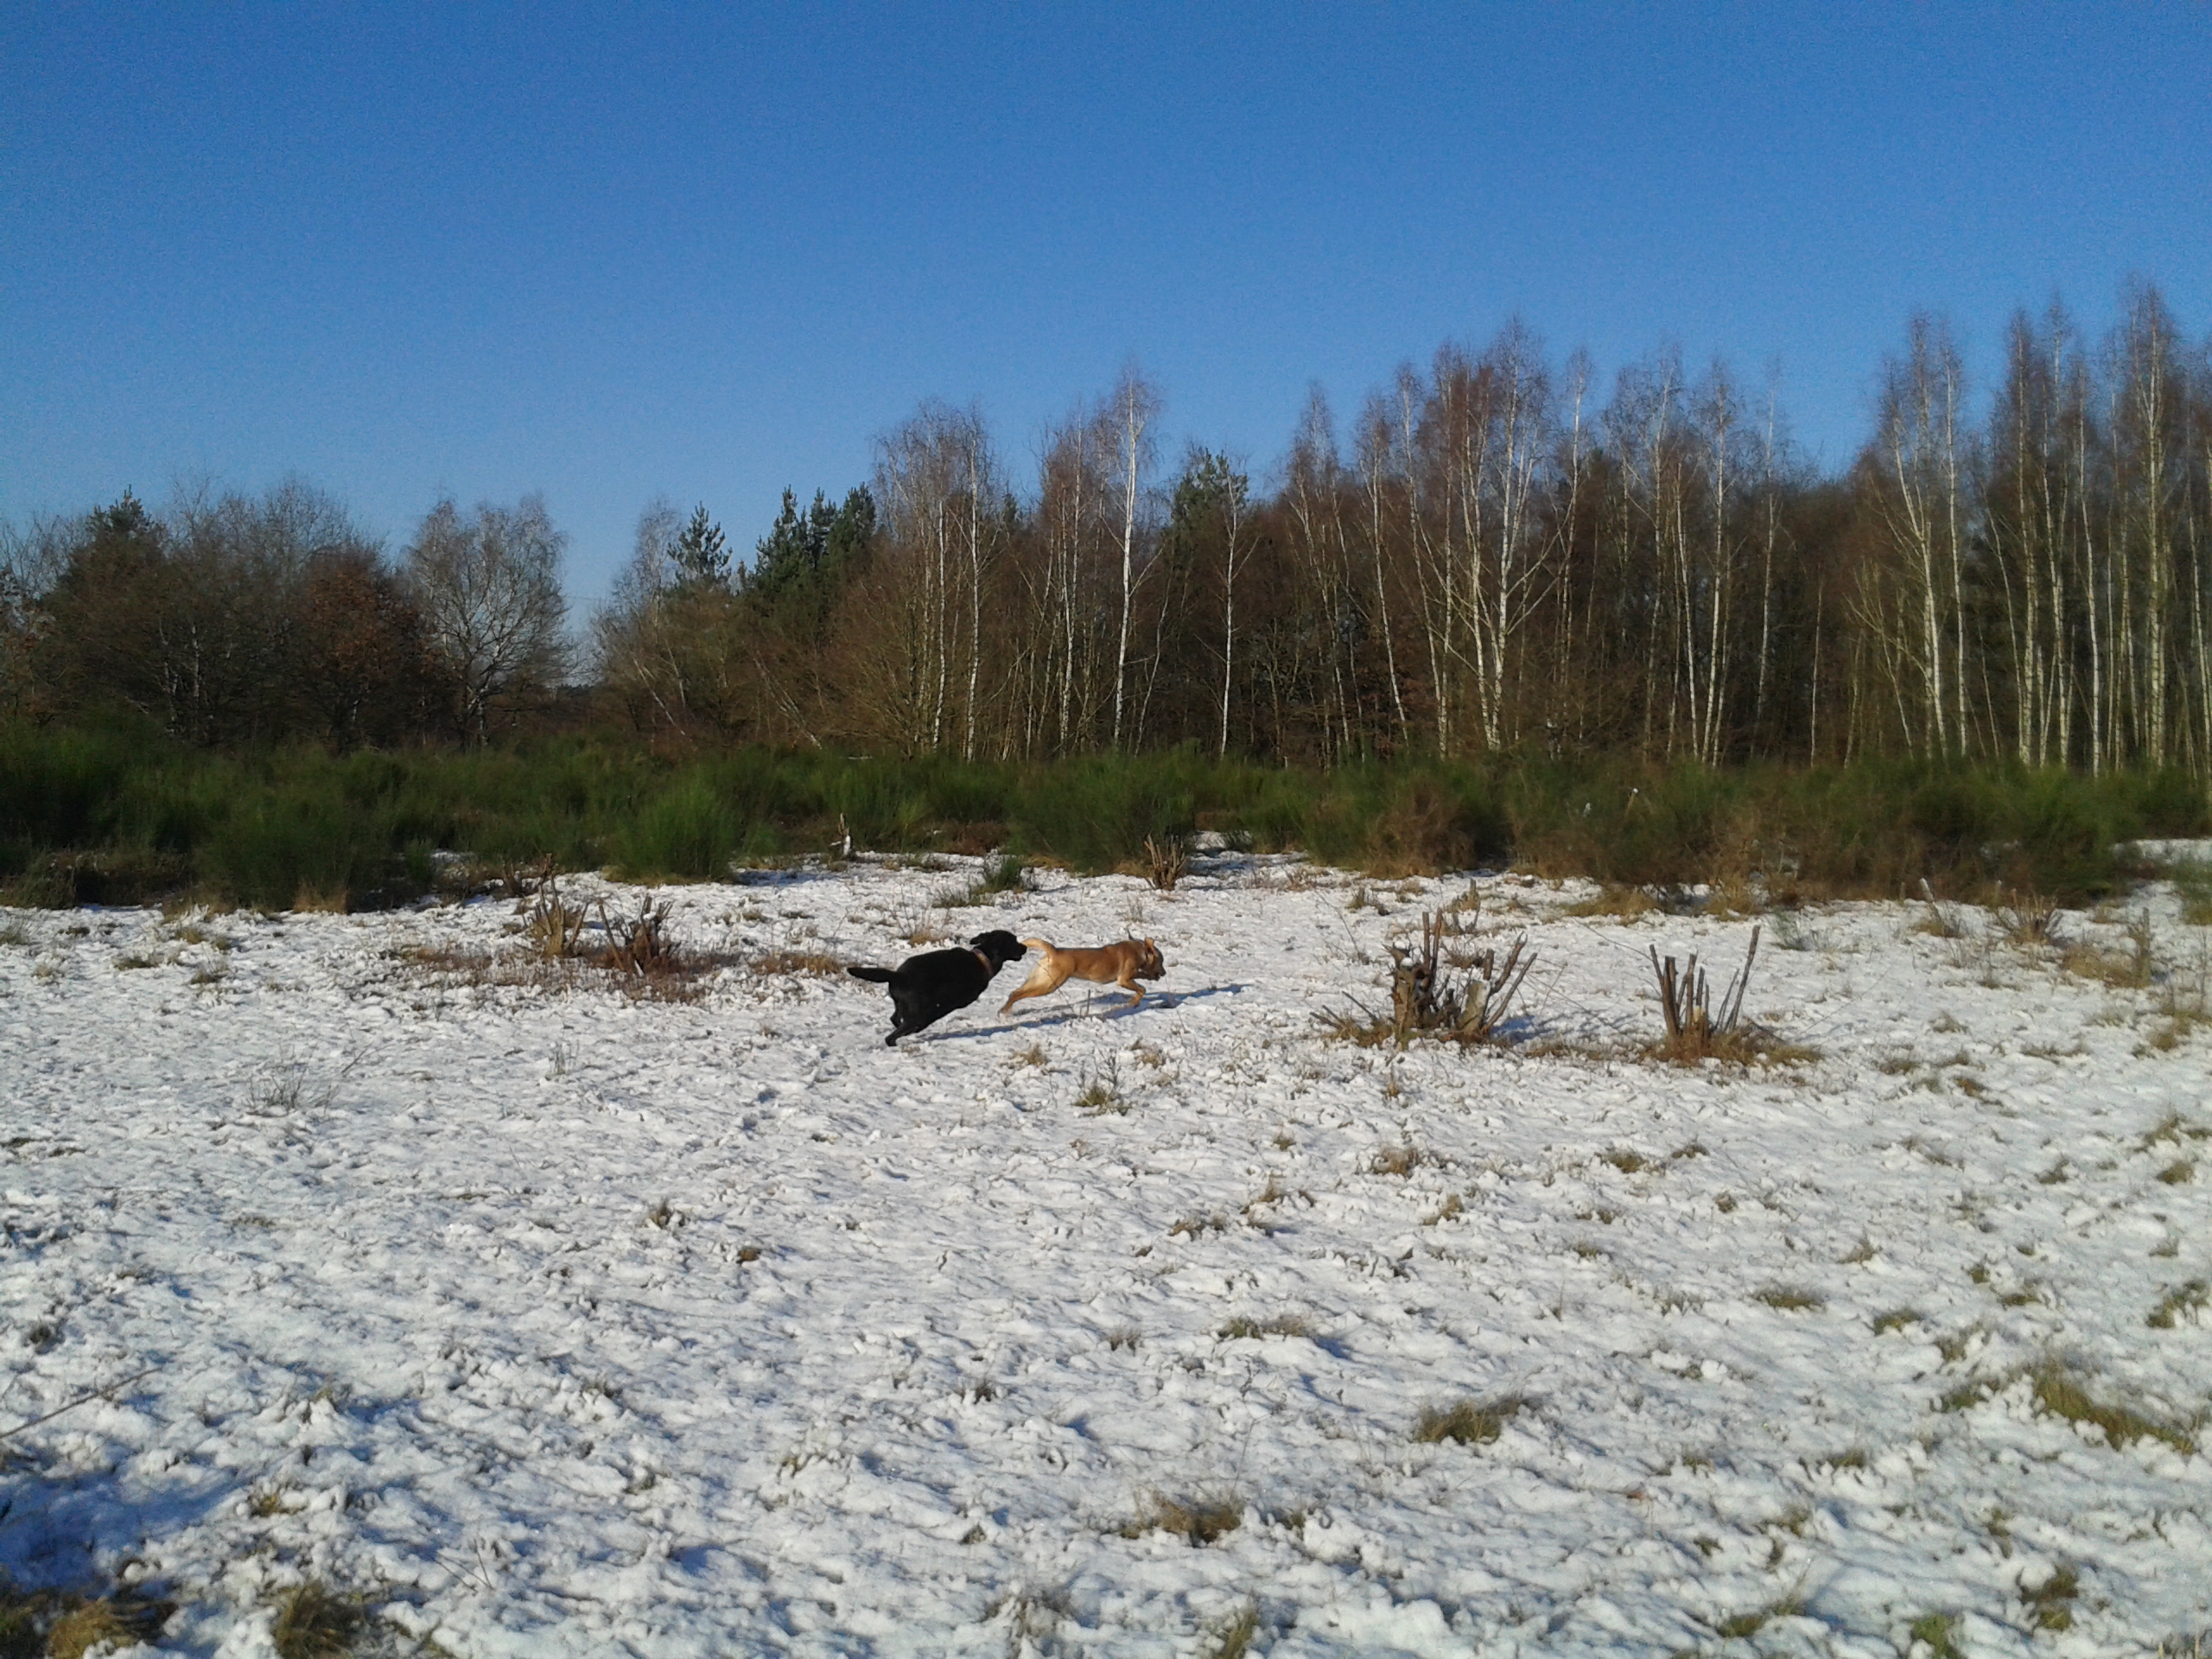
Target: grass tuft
(1789, 1299)
(2047, 1601)
(2058, 1392)
(1400, 1160)
(818, 963)
(1234, 1639)
(2180, 1302)
(1936, 1630)
(1739, 1626)
(1623, 903)
(1101, 1095)
(314, 1622)
(1467, 1422)
(1195, 1226)
(1195, 1521)
(2173, 1128)
(1283, 1324)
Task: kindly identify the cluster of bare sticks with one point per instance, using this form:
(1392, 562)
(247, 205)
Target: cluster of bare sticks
(1694, 1031)
(637, 947)
(1426, 1000)
(1167, 860)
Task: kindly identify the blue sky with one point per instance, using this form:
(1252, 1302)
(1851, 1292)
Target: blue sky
(608, 253)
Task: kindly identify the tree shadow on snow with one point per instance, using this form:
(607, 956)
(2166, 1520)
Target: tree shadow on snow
(59, 1530)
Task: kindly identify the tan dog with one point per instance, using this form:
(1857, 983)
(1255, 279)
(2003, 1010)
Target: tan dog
(1122, 964)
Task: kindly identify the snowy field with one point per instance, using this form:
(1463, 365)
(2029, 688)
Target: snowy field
(553, 1320)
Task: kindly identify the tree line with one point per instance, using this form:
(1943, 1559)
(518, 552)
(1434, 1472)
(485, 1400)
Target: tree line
(1493, 553)
(237, 620)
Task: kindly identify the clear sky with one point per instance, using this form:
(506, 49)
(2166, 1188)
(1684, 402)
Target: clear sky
(612, 251)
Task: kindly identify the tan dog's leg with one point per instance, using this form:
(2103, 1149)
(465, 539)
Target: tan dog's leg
(1128, 981)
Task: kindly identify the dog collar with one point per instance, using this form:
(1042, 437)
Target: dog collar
(980, 957)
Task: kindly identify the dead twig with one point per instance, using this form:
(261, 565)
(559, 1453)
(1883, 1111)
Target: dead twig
(81, 1400)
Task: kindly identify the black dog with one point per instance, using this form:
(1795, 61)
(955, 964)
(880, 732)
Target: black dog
(924, 988)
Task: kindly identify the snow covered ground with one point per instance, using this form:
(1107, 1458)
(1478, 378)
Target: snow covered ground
(554, 1320)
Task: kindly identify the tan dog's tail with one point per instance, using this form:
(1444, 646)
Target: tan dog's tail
(1040, 944)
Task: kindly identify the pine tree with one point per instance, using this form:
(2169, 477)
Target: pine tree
(700, 557)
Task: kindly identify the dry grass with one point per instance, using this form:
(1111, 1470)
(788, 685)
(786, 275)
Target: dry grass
(2058, 1392)
(2184, 1003)
(633, 954)
(1622, 903)
(1741, 1626)
(79, 1624)
(314, 1622)
(2174, 1128)
(2182, 1302)
(1195, 1521)
(2122, 970)
(1940, 921)
(2029, 921)
(2046, 1602)
(2193, 886)
(818, 963)
(1789, 1299)
(1896, 1319)
(1400, 1160)
(1101, 1095)
(1283, 1324)
(1234, 1639)
(1467, 1422)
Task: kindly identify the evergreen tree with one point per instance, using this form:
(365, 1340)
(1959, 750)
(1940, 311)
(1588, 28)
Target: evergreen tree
(701, 558)
(811, 552)
(782, 557)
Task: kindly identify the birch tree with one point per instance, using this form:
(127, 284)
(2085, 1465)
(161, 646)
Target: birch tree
(1126, 426)
(489, 586)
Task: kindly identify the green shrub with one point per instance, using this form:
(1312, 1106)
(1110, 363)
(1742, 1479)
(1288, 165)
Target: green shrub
(117, 809)
(689, 831)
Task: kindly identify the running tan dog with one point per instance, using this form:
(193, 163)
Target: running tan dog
(1122, 964)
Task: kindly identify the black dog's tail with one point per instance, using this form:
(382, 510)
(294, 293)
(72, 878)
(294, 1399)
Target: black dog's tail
(881, 976)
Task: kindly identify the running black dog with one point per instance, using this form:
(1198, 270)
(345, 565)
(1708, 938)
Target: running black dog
(924, 988)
